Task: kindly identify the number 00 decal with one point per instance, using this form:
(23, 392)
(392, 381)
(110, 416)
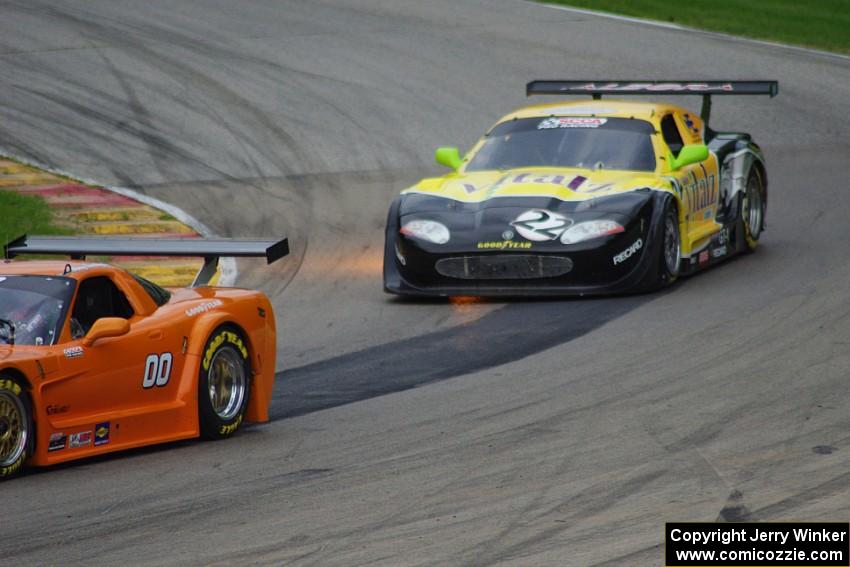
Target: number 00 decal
(157, 370)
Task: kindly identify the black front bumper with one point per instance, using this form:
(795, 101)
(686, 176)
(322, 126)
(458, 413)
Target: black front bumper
(474, 261)
(590, 271)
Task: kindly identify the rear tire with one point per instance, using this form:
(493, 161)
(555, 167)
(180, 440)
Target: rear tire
(751, 210)
(224, 383)
(17, 439)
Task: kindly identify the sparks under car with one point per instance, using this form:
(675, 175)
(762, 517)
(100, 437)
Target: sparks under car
(94, 359)
(589, 197)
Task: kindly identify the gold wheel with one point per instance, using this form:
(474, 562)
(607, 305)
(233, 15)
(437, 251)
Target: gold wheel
(14, 426)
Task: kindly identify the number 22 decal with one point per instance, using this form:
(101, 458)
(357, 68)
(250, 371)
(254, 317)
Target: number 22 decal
(157, 370)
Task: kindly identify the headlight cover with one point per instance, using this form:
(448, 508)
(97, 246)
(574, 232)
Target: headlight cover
(589, 230)
(428, 230)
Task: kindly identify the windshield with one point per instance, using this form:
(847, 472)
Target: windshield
(32, 308)
(567, 141)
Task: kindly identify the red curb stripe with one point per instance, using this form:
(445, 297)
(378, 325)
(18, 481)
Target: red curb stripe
(78, 195)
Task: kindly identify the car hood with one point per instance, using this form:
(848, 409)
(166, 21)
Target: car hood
(560, 184)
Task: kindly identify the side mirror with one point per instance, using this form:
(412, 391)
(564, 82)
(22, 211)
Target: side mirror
(106, 327)
(692, 153)
(450, 157)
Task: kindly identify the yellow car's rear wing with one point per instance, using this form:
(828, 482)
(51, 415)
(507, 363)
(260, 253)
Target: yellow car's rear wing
(210, 249)
(702, 88)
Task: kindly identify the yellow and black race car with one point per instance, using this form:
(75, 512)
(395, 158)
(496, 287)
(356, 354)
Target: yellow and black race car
(568, 198)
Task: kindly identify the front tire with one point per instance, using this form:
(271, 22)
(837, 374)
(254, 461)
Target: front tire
(665, 254)
(224, 383)
(16, 426)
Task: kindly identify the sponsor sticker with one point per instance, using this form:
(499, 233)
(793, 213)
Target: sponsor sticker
(625, 87)
(203, 307)
(101, 434)
(56, 442)
(719, 252)
(703, 257)
(721, 237)
(73, 352)
(628, 252)
(53, 410)
(80, 439)
(571, 122)
(504, 245)
(540, 225)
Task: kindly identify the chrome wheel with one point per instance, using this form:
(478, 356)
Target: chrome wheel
(672, 245)
(753, 209)
(14, 429)
(227, 382)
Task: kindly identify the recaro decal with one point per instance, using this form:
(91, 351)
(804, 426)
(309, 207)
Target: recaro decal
(628, 252)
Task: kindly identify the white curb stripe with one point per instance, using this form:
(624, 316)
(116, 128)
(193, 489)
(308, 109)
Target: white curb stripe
(677, 27)
(227, 266)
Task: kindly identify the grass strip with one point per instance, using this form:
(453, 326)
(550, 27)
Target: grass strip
(26, 214)
(824, 24)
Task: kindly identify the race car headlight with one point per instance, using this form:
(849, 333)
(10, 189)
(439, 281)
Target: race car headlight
(590, 229)
(431, 231)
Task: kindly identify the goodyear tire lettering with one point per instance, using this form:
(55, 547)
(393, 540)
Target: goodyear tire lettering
(212, 425)
(9, 385)
(25, 415)
(228, 336)
(225, 430)
(11, 469)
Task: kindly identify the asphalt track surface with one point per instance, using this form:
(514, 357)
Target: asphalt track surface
(436, 433)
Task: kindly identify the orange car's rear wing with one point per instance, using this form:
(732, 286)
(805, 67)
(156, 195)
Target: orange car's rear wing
(703, 88)
(210, 249)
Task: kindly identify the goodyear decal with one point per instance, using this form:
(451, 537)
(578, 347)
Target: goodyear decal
(221, 338)
(204, 307)
(503, 245)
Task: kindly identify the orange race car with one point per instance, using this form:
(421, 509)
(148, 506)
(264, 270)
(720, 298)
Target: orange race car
(94, 359)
